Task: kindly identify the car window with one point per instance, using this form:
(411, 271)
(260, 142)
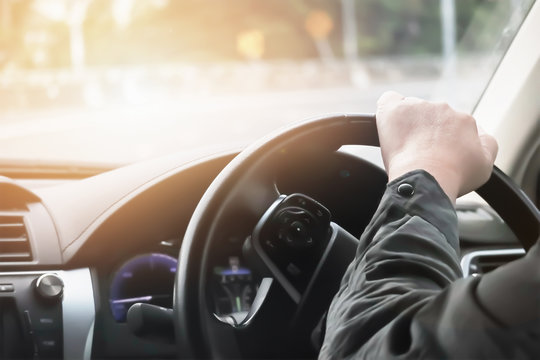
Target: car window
(117, 81)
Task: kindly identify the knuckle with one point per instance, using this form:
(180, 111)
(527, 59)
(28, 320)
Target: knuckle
(444, 106)
(464, 118)
(467, 117)
(402, 109)
(388, 97)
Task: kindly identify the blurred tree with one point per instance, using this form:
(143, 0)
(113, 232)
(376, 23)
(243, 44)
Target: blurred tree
(207, 30)
(14, 21)
(195, 30)
(389, 27)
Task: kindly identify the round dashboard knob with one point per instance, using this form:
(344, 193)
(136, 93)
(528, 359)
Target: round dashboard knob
(49, 286)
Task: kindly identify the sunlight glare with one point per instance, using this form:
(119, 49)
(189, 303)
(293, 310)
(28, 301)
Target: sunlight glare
(121, 12)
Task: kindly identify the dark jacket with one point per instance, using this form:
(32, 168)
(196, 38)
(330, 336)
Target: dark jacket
(403, 296)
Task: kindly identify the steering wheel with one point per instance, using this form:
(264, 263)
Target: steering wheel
(286, 309)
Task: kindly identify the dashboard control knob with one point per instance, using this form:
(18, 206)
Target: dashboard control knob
(49, 286)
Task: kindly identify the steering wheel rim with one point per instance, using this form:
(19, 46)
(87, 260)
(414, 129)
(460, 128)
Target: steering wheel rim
(241, 188)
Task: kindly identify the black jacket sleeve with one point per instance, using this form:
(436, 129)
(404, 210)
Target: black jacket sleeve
(403, 296)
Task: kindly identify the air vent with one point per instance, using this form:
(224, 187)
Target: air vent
(481, 262)
(14, 242)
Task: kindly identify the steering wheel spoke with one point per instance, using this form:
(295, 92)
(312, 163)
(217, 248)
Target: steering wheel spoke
(296, 244)
(288, 242)
(263, 332)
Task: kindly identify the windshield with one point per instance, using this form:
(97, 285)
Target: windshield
(117, 81)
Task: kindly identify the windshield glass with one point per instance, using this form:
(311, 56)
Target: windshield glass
(116, 81)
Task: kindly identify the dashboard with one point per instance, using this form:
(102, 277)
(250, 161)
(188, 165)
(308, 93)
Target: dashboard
(77, 254)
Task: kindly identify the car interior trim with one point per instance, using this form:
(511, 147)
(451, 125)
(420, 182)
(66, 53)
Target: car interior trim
(467, 259)
(511, 95)
(78, 313)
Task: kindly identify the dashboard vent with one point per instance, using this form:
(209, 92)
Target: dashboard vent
(14, 242)
(481, 262)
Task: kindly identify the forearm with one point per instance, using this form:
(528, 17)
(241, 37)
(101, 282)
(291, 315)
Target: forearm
(403, 296)
(407, 254)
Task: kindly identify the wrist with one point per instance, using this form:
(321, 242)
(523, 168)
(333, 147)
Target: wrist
(447, 180)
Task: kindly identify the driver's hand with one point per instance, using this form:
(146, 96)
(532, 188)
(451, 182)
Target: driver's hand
(416, 134)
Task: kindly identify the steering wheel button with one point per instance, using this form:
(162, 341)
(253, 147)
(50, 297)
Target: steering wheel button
(285, 217)
(405, 190)
(293, 269)
(299, 228)
(298, 234)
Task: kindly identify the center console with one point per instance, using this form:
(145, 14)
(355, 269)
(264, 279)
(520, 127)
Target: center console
(46, 314)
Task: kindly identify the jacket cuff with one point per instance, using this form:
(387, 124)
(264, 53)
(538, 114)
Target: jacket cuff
(419, 194)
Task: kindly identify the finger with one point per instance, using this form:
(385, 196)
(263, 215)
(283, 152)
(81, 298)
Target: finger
(388, 98)
(489, 144)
